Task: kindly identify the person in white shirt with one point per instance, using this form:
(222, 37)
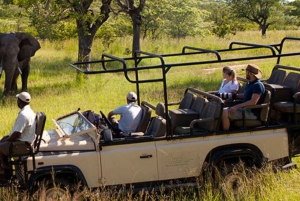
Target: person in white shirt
(22, 130)
(229, 83)
(131, 115)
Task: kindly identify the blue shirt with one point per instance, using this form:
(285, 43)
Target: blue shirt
(255, 87)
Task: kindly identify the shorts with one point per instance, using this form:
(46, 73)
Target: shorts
(239, 114)
(4, 147)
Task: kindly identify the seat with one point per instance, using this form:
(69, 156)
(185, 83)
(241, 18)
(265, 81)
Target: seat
(186, 101)
(263, 117)
(183, 117)
(277, 77)
(19, 149)
(146, 111)
(290, 107)
(207, 123)
(157, 127)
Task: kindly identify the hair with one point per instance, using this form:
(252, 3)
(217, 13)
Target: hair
(231, 72)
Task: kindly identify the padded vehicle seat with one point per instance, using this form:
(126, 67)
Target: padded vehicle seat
(208, 121)
(183, 117)
(263, 117)
(22, 148)
(157, 127)
(276, 77)
(186, 101)
(145, 119)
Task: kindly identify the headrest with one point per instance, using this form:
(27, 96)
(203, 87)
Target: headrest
(160, 109)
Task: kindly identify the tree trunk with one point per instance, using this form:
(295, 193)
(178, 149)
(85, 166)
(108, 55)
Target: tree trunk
(136, 21)
(85, 42)
(263, 30)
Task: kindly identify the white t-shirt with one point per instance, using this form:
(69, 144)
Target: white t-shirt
(131, 115)
(229, 86)
(25, 124)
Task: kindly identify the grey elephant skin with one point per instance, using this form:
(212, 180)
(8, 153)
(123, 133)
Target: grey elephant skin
(16, 49)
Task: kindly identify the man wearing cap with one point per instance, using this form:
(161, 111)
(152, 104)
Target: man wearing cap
(22, 130)
(131, 115)
(253, 94)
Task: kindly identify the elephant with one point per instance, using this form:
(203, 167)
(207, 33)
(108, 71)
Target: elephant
(16, 49)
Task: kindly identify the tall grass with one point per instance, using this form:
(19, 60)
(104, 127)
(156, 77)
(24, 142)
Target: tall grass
(55, 91)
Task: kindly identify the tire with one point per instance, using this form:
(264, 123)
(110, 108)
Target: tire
(59, 189)
(234, 180)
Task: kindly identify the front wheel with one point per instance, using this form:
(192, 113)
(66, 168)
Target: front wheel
(58, 189)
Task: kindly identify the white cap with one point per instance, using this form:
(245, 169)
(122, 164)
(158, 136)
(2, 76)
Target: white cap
(24, 96)
(131, 96)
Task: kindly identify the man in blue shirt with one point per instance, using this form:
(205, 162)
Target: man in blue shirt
(253, 94)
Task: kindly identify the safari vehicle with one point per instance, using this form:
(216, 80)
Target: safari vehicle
(172, 143)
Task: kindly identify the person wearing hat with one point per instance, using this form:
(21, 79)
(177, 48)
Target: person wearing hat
(253, 94)
(22, 130)
(131, 115)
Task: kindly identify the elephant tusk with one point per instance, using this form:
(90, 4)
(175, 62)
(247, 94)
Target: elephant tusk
(20, 70)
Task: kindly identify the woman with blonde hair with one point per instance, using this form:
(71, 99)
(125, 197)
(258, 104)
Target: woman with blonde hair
(229, 83)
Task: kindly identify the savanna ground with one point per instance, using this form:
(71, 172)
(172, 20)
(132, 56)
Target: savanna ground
(56, 92)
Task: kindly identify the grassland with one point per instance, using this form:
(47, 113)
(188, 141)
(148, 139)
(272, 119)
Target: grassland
(55, 91)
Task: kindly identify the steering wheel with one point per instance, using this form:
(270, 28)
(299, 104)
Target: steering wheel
(107, 122)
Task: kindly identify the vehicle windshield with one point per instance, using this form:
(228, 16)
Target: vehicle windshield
(73, 123)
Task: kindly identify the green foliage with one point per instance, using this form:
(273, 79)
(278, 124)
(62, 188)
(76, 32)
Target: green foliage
(184, 19)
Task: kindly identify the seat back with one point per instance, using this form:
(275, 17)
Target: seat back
(187, 101)
(199, 104)
(292, 80)
(39, 129)
(276, 77)
(264, 112)
(146, 116)
(157, 127)
(212, 109)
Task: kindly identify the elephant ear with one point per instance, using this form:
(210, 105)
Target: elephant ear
(28, 46)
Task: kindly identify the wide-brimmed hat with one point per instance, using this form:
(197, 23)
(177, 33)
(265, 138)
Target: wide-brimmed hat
(131, 96)
(255, 70)
(24, 96)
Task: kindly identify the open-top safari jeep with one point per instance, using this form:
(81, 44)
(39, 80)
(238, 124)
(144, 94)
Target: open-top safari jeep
(181, 143)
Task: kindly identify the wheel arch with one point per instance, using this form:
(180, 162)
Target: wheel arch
(234, 153)
(68, 172)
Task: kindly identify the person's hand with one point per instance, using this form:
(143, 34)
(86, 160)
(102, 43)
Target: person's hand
(232, 110)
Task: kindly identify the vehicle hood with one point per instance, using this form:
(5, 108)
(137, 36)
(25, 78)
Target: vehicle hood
(51, 141)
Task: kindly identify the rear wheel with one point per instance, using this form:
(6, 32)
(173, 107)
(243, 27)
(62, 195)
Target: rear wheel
(233, 180)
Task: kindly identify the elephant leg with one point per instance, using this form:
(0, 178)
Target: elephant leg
(25, 72)
(14, 86)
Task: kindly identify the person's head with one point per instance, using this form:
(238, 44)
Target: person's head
(253, 72)
(131, 97)
(229, 73)
(24, 98)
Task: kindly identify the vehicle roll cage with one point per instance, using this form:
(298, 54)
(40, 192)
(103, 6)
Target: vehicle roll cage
(273, 51)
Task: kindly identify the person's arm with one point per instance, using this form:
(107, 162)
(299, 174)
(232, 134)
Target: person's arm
(253, 101)
(110, 114)
(13, 137)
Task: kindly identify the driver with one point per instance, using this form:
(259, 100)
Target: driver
(131, 115)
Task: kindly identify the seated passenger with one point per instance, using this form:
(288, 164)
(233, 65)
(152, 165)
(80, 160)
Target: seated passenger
(252, 95)
(22, 130)
(229, 83)
(131, 115)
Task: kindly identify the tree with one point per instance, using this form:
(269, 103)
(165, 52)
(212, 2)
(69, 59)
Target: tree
(89, 17)
(261, 12)
(128, 6)
(184, 18)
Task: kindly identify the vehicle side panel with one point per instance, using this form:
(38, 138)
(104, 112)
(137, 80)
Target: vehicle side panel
(184, 157)
(87, 162)
(129, 163)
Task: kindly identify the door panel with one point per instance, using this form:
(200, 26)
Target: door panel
(129, 163)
